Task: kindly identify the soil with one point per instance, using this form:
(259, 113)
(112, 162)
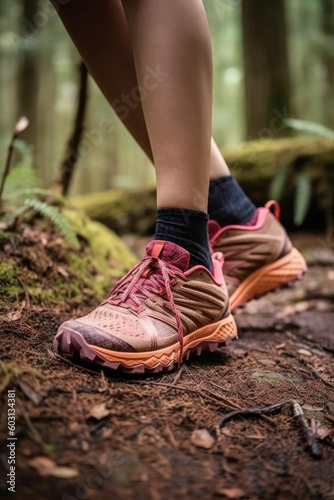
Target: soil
(251, 421)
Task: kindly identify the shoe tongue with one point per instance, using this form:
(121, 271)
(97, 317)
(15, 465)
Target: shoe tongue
(169, 252)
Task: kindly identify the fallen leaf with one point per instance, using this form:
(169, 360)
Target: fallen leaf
(296, 308)
(266, 362)
(312, 408)
(41, 463)
(84, 446)
(62, 472)
(11, 316)
(322, 431)
(99, 412)
(30, 393)
(226, 431)
(202, 439)
(255, 436)
(107, 433)
(304, 352)
(62, 271)
(233, 493)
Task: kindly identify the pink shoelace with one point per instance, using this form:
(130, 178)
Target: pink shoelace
(143, 280)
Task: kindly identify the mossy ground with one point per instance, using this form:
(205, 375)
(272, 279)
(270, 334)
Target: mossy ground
(43, 269)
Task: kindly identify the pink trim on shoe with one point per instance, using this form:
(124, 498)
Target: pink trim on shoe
(262, 213)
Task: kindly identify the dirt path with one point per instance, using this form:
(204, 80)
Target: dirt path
(90, 435)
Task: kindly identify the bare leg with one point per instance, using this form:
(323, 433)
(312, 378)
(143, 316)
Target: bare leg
(174, 37)
(113, 67)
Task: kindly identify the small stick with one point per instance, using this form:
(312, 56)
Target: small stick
(26, 294)
(20, 126)
(310, 437)
(257, 410)
(181, 388)
(178, 375)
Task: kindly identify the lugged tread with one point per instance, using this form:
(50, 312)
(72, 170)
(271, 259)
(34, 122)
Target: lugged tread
(71, 344)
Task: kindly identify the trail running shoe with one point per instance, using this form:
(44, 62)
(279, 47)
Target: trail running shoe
(155, 316)
(257, 258)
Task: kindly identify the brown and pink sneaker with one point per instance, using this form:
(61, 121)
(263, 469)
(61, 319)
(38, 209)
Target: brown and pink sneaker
(156, 315)
(257, 258)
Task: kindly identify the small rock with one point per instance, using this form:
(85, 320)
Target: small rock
(202, 439)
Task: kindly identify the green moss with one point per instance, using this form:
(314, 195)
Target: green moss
(276, 378)
(261, 159)
(57, 293)
(102, 259)
(9, 284)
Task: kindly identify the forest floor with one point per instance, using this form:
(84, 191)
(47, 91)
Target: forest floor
(85, 434)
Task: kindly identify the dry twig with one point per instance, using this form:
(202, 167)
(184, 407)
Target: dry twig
(310, 437)
(72, 150)
(257, 410)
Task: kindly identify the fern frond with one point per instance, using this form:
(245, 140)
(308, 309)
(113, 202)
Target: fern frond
(303, 198)
(21, 177)
(309, 127)
(277, 184)
(55, 217)
(25, 150)
(9, 217)
(28, 193)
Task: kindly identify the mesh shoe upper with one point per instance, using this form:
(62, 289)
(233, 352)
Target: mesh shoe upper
(157, 303)
(248, 248)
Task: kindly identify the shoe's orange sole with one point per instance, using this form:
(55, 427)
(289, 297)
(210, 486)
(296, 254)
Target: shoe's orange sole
(71, 344)
(281, 272)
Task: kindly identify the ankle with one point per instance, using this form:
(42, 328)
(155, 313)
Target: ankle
(188, 229)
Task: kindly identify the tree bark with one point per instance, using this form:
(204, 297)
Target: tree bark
(265, 65)
(72, 150)
(328, 59)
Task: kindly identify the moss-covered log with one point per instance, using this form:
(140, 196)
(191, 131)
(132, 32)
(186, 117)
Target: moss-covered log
(253, 163)
(122, 210)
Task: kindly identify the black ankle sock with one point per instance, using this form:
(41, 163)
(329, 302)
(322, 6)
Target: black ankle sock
(228, 204)
(187, 228)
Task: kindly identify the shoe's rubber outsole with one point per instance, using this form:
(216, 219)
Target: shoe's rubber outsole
(72, 344)
(275, 275)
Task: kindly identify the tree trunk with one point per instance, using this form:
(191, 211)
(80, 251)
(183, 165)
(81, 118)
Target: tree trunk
(266, 67)
(328, 59)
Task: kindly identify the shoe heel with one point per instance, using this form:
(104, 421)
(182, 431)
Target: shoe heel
(280, 273)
